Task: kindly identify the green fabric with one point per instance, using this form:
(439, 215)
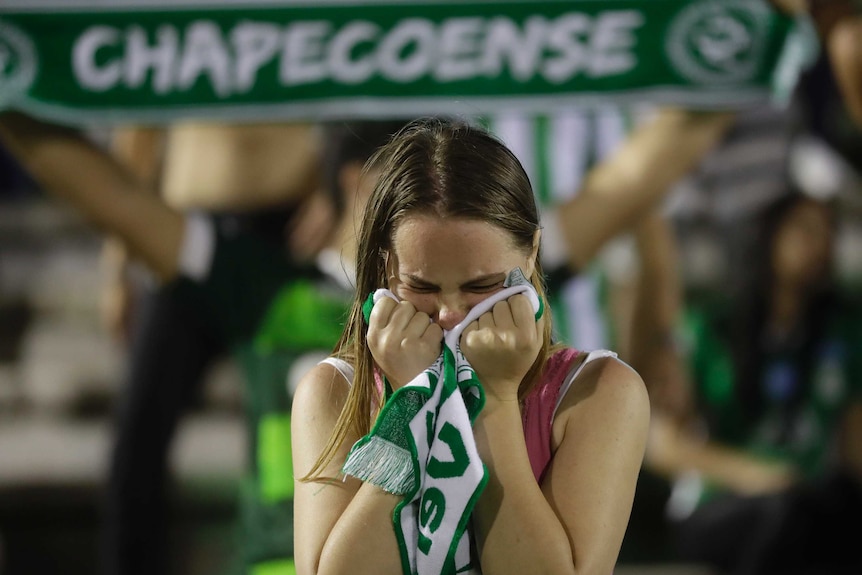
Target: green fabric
(304, 315)
(140, 61)
(280, 567)
(275, 462)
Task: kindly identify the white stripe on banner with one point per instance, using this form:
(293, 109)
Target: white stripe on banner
(610, 130)
(515, 129)
(584, 316)
(568, 148)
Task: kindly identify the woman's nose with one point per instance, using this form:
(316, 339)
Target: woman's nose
(450, 313)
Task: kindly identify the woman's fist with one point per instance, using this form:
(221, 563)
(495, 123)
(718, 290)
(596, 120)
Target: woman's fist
(502, 345)
(403, 341)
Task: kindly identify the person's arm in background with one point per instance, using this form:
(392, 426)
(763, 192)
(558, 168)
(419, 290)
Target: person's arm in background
(138, 148)
(677, 445)
(620, 190)
(843, 41)
(658, 300)
(839, 27)
(675, 449)
(70, 167)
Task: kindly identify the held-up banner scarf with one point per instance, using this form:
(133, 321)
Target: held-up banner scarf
(98, 61)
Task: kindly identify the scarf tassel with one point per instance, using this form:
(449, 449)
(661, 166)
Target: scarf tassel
(382, 463)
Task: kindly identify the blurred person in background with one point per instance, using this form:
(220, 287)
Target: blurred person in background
(573, 151)
(758, 420)
(268, 308)
(595, 172)
(240, 176)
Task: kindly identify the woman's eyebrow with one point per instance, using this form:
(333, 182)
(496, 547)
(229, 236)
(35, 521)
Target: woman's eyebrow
(492, 277)
(417, 280)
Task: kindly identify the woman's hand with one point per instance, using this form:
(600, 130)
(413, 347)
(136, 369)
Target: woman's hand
(502, 345)
(403, 341)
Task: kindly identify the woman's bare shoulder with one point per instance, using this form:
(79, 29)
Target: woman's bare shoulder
(323, 388)
(608, 384)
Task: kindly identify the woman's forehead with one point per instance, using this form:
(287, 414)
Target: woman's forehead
(425, 245)
(422, 230)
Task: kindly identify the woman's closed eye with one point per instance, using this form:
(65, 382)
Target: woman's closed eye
(478, 288)
(484, 288)
(422, 288)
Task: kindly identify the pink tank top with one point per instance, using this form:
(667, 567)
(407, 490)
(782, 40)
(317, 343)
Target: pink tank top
(539, 407)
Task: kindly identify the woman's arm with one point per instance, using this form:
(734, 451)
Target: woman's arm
(342, 526)
(575, 521)
(68, 166)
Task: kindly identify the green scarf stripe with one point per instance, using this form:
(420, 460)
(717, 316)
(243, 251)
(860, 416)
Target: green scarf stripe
(450, 376)
(367, 306)
(402, 406)
(390, 463)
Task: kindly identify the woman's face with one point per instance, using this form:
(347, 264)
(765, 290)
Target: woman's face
(802, 246)
(446, 266)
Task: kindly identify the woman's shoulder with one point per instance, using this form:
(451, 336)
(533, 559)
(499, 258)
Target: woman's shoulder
(607, 401)
(324, 385)
(603, 381)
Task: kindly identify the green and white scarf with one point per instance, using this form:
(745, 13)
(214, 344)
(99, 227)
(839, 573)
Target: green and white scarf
(422, 447)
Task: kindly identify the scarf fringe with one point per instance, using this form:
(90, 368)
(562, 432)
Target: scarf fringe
(382, 463)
